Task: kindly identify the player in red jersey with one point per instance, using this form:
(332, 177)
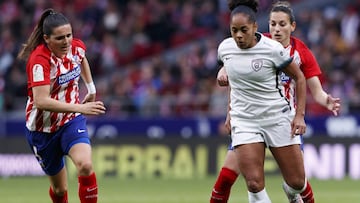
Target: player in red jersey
(281, 25)
(55, 125)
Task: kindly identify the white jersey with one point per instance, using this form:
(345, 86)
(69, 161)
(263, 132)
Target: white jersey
(253, 73)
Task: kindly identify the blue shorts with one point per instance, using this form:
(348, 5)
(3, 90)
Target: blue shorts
(50, 148)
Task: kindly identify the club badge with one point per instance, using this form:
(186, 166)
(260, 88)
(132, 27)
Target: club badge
(256, 64)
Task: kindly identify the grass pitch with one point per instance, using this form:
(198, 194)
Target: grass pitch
(114, 190)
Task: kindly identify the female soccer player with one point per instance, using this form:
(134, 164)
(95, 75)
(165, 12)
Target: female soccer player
(55, 126)
(260, 115)
(281, 24)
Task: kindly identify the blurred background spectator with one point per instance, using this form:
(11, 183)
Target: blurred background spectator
(158, 58)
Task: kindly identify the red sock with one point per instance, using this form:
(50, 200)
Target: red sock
(58, 199)
(307, 195)
(88, 191)
(222, 187)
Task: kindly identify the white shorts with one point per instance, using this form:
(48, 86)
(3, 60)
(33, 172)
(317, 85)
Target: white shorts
(274, 132)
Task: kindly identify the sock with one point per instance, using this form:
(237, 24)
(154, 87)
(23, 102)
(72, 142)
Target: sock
(307, 195)
(222, 187)
(259, 197)
(58, 199)
(88, 191)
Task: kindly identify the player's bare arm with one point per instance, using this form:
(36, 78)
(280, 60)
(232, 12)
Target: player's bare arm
(321, 97)
(222, 77)
(43, 101)
(298, 124)
(88, 80)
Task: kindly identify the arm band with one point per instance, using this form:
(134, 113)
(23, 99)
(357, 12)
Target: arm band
(91, 88)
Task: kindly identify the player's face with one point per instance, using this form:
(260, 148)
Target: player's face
(243, 31)
(280, 27)
(59, 40)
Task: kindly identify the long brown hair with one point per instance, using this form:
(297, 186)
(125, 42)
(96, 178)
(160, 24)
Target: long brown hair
(48, 21)
(284, 6)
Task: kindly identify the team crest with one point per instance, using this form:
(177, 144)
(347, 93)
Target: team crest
(256, 64)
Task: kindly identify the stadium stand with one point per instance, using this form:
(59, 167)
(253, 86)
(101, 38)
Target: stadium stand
(157, 58)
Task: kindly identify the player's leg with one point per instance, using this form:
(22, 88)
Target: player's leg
(58, 188)
(47, 150)
(226, 178)
(76, 143)
(80, 154)
(307, 196)
(251, 164)
(290, 161)
(288, 154)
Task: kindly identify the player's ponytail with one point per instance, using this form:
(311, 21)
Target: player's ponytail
(49, 19)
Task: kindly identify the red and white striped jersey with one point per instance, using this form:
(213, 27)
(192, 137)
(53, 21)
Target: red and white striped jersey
(304, 58)
(62, 74)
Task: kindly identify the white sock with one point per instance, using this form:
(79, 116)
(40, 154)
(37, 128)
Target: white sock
(259, 197)
(292, 190)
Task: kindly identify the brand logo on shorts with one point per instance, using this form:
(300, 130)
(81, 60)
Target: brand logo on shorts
(81, 130)
(256, 64)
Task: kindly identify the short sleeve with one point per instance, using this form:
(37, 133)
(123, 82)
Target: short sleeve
(281, 57)
(79, 48)
(38, 70)
(309, 65)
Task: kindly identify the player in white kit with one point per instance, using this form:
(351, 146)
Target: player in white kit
(281, 25)
(260, 114)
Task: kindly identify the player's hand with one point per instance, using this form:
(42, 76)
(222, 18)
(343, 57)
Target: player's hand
(93, 108)
(222, 77)
(298, 126)
(333, 104)
(89, 98)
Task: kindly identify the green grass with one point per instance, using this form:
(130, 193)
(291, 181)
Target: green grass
(114, 190)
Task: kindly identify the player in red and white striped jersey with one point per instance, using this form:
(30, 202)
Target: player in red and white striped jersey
(45, 68)
(55, 125)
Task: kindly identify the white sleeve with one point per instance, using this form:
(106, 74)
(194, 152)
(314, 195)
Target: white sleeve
(281, 57)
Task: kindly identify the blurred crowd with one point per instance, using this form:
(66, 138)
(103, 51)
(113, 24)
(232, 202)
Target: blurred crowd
(159, 57)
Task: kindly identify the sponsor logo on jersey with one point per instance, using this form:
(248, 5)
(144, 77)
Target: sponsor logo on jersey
(256, 64)
(71, 75)
(284, 78)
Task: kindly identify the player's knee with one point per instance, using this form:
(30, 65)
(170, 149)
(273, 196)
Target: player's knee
(60, 191)
(255, 186)
(297, 183)
(85, 168)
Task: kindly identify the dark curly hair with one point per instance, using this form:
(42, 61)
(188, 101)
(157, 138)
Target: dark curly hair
(253, 4)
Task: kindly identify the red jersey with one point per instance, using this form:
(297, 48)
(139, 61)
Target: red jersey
(62, 74)
(305, 59)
